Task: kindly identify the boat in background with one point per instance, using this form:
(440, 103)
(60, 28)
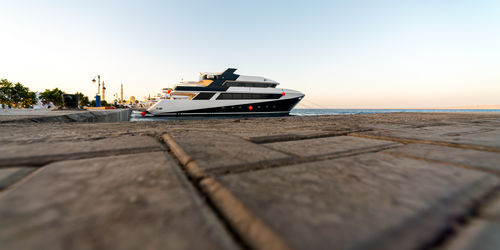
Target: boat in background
(226, 93)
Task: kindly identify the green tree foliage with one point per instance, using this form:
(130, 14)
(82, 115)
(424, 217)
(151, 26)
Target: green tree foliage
(5, 92)
(54, 96)
(16, 95)
(29, 100)
(83, 100)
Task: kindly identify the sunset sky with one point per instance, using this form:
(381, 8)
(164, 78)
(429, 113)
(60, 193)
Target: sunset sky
(341, 54)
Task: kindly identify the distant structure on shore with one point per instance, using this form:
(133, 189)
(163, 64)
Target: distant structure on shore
(103, 91)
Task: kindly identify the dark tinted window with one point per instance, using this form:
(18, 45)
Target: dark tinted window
(203, 96)
(250, 84)
(238, 96)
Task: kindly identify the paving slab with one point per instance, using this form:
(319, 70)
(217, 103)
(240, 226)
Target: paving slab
(134, 201)
(455, 134)
(9, 176)
(330, 145)
(37, 154)
(369, 201)
(27, 133)
(466, 157)
(217, 152)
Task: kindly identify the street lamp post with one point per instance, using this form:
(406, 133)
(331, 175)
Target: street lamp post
(98, 97)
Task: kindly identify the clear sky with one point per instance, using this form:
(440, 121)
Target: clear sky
(341, 54)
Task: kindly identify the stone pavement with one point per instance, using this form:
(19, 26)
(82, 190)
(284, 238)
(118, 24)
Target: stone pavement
(378, 181)
(45, 115)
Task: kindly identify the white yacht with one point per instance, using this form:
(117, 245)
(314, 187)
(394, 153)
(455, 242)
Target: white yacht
(226, 93)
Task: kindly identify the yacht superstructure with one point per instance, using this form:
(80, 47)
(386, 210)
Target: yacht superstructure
(226, 93)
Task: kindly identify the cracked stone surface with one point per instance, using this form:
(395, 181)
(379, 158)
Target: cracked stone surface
(310, 182)
(371, 201)
(119, 202)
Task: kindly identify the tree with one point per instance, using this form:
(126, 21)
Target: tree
(54, 96)
(19, 92)
(16, 95)
(83, 100)
(5, 92)
(29, 100)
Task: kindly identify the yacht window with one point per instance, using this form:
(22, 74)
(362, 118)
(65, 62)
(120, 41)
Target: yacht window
(239, 96)
(204, 96)
(249, 84)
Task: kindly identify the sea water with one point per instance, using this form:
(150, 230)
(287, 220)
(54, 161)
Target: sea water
(136, 115)
(301, 112)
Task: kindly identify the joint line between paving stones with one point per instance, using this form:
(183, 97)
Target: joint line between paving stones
(19, 182)
(311, 158)
(407, 141)
(39, 161)
(236, 169)
(472, 213)
(488, 202)
(206, 208)
(70, 139)
(186, 161)
(293, 137)
(15, 177)
(281, 151)
(444, 162)
(202, 199)
(246, 227)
